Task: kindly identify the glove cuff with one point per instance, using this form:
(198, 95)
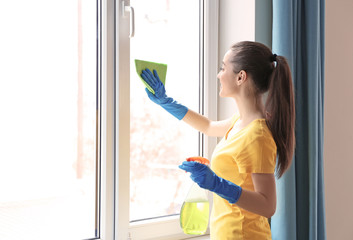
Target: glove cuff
(176, 109)
(228, 190)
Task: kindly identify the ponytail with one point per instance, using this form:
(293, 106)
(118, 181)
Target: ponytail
(280, 107)
(259, 62)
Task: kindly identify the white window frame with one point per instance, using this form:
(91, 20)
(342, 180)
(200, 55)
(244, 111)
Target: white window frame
(106, 46)
(115, 75)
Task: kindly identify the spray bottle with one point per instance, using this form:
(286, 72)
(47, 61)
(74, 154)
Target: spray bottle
(194, 213)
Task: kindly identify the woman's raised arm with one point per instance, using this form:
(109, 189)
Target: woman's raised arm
(207, 126)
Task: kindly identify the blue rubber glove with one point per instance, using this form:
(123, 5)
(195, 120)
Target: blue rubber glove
(206, 178)
(159, 97)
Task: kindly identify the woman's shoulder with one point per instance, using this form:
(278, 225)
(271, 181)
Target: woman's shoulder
(259, 131)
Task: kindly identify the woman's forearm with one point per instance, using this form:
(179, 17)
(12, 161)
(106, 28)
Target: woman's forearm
(261, 200)
(257, 203)
(197, 121)
(205, 125)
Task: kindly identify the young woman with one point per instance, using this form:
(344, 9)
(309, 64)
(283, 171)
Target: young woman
(242, 173)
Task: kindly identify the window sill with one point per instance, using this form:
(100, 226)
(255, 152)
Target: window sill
(206, 237)
(167, 228)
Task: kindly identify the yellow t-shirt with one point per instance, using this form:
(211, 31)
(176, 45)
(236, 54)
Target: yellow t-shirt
(251, 150)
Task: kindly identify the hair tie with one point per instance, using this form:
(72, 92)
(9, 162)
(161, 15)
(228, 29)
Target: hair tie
(274, 58)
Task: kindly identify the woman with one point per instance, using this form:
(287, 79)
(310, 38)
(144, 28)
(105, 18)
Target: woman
(244, 161)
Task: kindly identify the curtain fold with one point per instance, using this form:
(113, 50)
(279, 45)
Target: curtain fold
(298, 34)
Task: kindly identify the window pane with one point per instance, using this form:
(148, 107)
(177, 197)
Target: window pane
(48, 121)
(167, 31)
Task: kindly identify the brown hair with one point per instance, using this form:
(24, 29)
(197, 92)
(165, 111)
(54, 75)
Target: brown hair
(271, 73)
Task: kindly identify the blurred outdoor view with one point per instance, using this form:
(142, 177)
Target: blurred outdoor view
(48, 124)
(166, 31)
(48, 119)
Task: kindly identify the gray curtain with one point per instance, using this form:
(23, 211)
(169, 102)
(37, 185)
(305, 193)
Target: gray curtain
(298, 34)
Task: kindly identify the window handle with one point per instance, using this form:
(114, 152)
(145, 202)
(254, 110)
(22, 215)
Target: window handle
(126, 8)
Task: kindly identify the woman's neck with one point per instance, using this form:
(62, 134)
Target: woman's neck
(250, 109)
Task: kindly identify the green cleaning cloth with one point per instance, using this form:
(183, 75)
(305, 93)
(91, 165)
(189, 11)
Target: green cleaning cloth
(161, 69)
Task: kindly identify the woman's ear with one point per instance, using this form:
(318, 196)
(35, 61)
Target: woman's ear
(241, 77)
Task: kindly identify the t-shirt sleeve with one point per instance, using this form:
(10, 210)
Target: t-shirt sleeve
(258, 156)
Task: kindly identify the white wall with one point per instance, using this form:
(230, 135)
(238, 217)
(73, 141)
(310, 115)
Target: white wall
(338, 132)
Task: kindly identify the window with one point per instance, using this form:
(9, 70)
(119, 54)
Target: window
(166, 32)
(49, 121)
(65, 84)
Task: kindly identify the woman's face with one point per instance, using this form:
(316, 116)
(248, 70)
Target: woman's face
(227, 78)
